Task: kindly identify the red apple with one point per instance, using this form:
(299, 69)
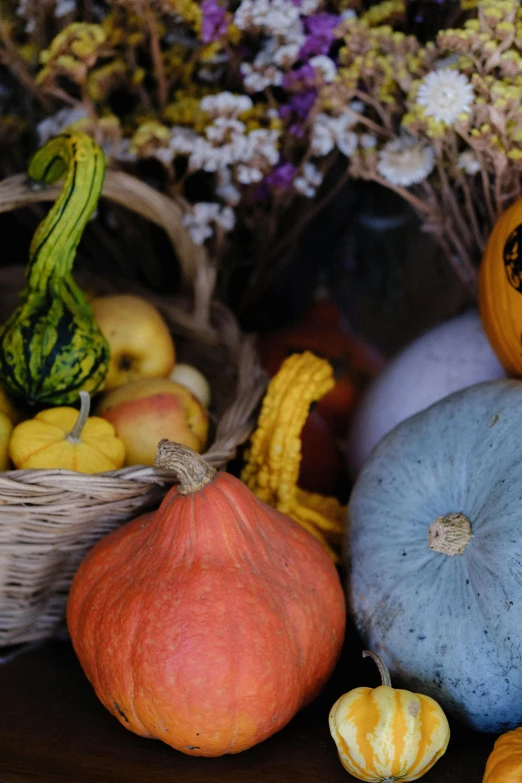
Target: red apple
(144, 411)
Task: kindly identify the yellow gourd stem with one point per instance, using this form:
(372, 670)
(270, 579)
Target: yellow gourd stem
(273, 459)
(85, 407)
(383, 669)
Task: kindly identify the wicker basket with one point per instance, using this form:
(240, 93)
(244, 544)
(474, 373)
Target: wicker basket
(50, 518)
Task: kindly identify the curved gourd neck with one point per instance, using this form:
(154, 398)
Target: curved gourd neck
(54, 244)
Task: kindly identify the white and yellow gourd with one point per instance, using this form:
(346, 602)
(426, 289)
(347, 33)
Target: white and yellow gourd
(386, 734)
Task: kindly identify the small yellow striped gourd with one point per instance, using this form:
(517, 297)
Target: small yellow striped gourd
(500, 289)
(385, 734)
(504, 764)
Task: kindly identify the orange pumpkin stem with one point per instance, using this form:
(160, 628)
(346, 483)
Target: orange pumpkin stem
(85, 406)
(383, 669)
(191, 469)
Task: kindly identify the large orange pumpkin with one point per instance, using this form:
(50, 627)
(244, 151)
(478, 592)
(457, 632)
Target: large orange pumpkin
(500, 289)
(209, 623)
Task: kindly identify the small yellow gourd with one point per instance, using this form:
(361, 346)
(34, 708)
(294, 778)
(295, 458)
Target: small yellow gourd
(386, 734)
(504, 764)
(63, 438)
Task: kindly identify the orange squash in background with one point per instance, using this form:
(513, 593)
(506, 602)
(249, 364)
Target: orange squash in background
(354, 363)
(321, 330)
(209, 623)
(500, 289)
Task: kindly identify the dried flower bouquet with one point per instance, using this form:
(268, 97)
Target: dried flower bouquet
(248, 106)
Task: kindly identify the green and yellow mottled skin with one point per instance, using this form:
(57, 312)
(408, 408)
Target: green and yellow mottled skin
(51, 347)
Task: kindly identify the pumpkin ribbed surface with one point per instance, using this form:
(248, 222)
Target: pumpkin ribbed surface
(500, 289)
(386, 733)
(51, 347)
(435, 572)
(209, 623)
(504, 764)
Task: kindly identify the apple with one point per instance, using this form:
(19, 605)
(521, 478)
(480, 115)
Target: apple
(7, 407)
(194, 380)
(6, 428)
(146, 410)
(139, 339)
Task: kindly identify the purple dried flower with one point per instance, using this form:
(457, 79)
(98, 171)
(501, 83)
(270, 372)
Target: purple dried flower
(299, 78)
(282, 176)
(297, 130)
(214, 23)
(321, 35)
(302, 102)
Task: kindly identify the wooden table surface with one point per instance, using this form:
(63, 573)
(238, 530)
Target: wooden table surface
(54, 730)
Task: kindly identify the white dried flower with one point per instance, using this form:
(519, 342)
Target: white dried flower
(347, 142)
(445, 94)
(182, 140)
(263, 143)
(164, 154)
(225, 104)
(123, 152)
(226, 218)
(223, 129)
(322, 140)
(64, 7)
(286, 55)
(58, 122)
(324, 67)
(198, 221)
(308, 7)
(226, 189)
(204, 156)
(368, 141)
(468, 162)
(329, 132)
(308, 181)
(258, 77)
(269, 16)
(405, 161)
(247, 175)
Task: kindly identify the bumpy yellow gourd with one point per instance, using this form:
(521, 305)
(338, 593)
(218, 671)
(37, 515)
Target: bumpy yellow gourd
(504, 764)
(387, 734)
(272, 462)
(64, 438)
(500, 289)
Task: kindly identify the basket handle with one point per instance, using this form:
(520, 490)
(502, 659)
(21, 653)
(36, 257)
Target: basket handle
(197, 272)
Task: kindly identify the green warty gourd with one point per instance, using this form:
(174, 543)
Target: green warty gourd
(51, 347)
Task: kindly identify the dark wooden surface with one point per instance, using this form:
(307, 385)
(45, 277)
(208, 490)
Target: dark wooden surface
(54, 730)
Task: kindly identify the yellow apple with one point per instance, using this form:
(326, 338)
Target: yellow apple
(194, 380)
(6, 428)
(7, 407)
(139, 339)
(144, 411)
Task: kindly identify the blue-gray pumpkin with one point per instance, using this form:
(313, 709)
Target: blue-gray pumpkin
(435, 553)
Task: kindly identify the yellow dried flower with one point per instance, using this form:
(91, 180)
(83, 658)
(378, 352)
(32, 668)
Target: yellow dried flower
(189, 10)
(149, 136)
(72, 52)
(381, 12)
(102, 81)
(186, 110)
